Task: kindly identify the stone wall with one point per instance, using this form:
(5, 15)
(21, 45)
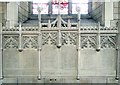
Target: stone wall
(97, 11)
(3, 13)
(116, 14)
(23, 11)
(12, 14)
(17, 12)
(25, 64)
(103, 12)
(115, 10)
(60, 63)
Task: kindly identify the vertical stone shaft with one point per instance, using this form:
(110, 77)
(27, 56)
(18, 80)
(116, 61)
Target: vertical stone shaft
(69, 6)
(50, 7)
(59, 25)
(79, 47)
(1, 53)
(59, 30)
(118, 53)
(98, 38)
(20, 37)
(39, 44)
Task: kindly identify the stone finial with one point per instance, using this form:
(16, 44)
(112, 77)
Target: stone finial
(39, 9)
(78, 9)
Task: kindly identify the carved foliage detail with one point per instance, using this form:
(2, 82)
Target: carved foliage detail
(49, 38)
(108, 41)
(10, 41)
(69, 38)
(30, 41)
(88, 41)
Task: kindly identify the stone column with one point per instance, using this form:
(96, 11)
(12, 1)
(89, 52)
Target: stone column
(30, 8)
(69, 6)
(98, 38)
(118, 54)
(78, 45)
(39, 42)
(12, 13)
(20, 38)
(50, 7)
(119, 44)
(1, 53)
(89, 7)
(59, 26)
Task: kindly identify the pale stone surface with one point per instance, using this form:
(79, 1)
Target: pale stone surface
(68, 57)
(98, 12)
(12, 13)
(20, 64)
(26, 63)
(23, 11)
(10, 80)
(3, 12)
(11, 68)
(108, 13)
(97, 64)
(60, 64)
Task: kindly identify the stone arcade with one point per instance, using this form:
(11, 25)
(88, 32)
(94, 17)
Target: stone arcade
(59, 48)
